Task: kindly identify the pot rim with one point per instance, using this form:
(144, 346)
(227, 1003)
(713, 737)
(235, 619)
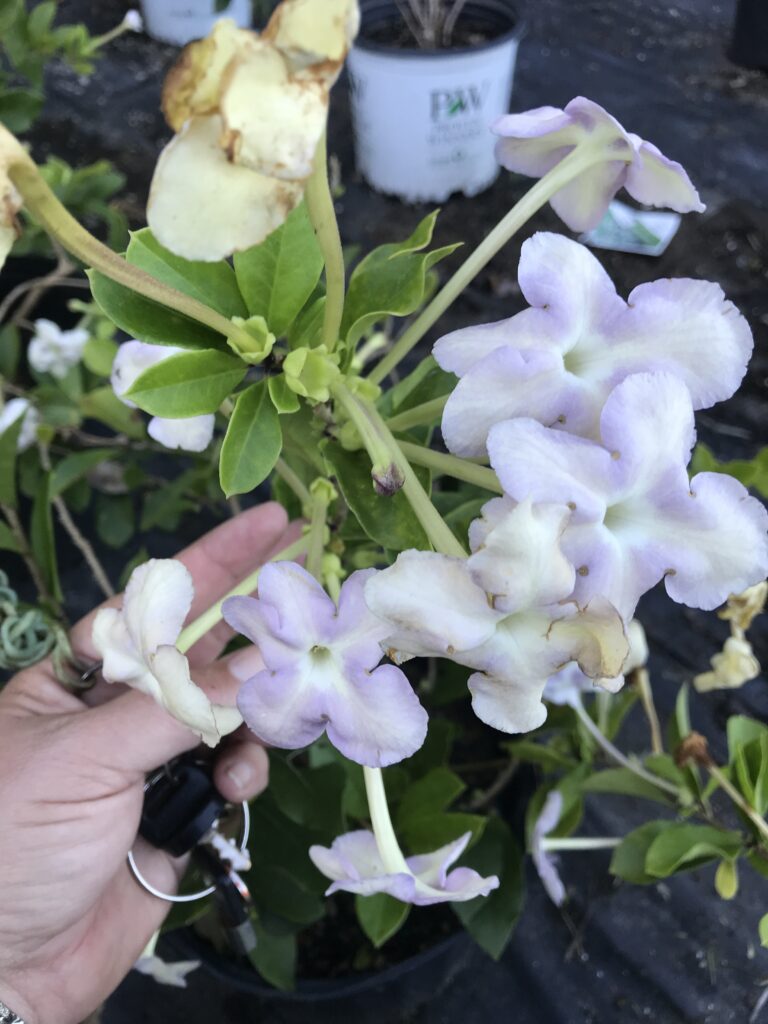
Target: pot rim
(310, 991)
(504, 10)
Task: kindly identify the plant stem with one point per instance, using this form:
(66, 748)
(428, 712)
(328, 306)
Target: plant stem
(616, 755)
(579, 843)
(202, 625)
(25, 553)
(323, 216)
(585, 155)
(61, 225)
(383, 448)
(643, 682)
(292, 479)
(725, 783)
(316, 536)
(451, 465)
(386, 840)
(420, 416)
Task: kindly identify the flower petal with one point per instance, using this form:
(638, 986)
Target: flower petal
(354, 864)
(315, 32)
(433, 604)
(192, 434)
(188, 704)
(131, 360)
(582, 203)
(122, 661)
(219, 209)
(432, 868)
(156, 603)
(357, 632)
(507, 705)
(534, 141)
(594, 637)
(282, 707)
(518, 560)
(655, 180)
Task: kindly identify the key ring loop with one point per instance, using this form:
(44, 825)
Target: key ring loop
(202, 893)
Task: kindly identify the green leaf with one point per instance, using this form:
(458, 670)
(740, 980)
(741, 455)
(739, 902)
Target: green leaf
(307, 329)
(763, 930)
(149, 321)
(7, 541)
(683, 846)
(41, 538)
(538, 753)
(751, 472)
(253, 441)
(390, 521)
(187, 384)
(10, 349)
(434, 792)
(624, 781)
(751, 765)
(213, 284)
(435, 750)
(278, 276)
(431, 831)
(427, 382)
(727, 879)
(276, 889)
(99, 354)
(380, 916)
(75, 466)
(103, 404)
(491, 919)
(391, 281)
(275, 957)
(9, 440)
(741, 730)
(628, 860)
(115, 519)
(283, 398)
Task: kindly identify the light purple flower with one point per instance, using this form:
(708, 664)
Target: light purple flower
(191, 433)
(636, 518)
(558, 361)
(437, 609)
(534, 142)
(544, 863)
(354, 864)
(321, 673)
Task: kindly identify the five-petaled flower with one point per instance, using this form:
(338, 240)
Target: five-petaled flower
(191, 433)
(635, 516)
(558, 361)
(355, 864)
(249, 111)
(54, 351)
(137, 644)
(535, 141)
(321, 673)
(505, 615)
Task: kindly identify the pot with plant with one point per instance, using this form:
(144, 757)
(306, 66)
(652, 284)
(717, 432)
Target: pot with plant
(434, 604)
(180, 21)
(428, 77)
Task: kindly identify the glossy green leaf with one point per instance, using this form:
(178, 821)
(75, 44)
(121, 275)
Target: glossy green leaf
(187, 384)
(727, 879)
(275, 956)
(42, 540)
(7, 541)
(149, 321)
(9, 440)
(115, 519)
(391, 281)
(490, 920)
(683, 846)
(741, 730)
(380, 916)
(99, 354)
(278, 276)
(213, 284)
(253, 441)
(628, 860)
(763, 930)
(104, 405)
(431, 831)
(283, 398)
(625, 782)
(307, 329)
(75, 466)
(278, 891)
(434, 792)
(389, 521)
(751, 472)
(751, 764)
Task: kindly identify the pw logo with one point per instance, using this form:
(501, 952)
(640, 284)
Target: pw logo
(448, 103)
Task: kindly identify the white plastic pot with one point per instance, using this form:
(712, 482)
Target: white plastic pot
(421, 118)
(181, 21)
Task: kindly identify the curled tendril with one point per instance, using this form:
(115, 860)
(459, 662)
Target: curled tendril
(26, 636)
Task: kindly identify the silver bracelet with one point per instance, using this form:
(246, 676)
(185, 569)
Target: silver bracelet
(7, 1016)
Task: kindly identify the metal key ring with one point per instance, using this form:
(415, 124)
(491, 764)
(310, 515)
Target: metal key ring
(202, 893)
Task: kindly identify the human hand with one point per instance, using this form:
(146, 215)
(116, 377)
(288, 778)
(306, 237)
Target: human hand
(72, 918)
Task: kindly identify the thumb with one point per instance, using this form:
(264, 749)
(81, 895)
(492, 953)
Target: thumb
(135, 734)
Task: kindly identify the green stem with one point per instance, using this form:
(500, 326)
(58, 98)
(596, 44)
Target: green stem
(585, 155)
(316, 536)
(450, 465)
(205, 623)
(61, 225)
(292, 479)
(578, 843)
(323, 216)
(385, 452)
(386, 840)
(420, 416)
(725, 783)
(616, 755)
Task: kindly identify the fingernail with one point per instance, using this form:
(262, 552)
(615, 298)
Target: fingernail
(241, 773)
(246, 663)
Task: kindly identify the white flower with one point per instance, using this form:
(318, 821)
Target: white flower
(137, 644)
(11, 411)
(735, 665)
(191, 434)
(742, 609)
(133, 21)
(174, 975)
(54, 351)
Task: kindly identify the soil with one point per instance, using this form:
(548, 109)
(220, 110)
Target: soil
(671, 953)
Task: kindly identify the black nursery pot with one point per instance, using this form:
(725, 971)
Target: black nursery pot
(749, 46)
(422, 117)
(221, 991)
